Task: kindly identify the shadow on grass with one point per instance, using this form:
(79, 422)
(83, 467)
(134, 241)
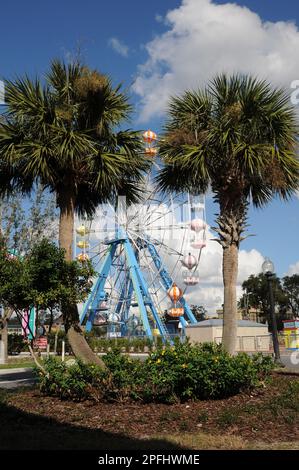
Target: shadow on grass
(20, 430)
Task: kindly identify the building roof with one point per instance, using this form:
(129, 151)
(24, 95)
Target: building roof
(219, 322)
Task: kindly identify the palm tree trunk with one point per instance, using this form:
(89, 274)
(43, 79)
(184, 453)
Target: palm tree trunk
(231, 224)
(230, 273)
(75, 335)
(66, 227)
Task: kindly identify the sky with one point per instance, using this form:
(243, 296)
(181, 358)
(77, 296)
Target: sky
(158, 49)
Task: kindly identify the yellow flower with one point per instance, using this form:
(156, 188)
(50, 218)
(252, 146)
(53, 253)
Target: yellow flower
(158, 361)
(184, 366)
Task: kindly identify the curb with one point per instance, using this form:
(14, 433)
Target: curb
(286, 372)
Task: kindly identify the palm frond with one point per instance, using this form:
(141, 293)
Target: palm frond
(239, 134)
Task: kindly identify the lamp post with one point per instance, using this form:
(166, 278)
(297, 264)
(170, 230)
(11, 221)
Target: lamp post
(268, 270)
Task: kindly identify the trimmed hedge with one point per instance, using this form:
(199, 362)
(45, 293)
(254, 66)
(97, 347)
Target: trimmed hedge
(134, 344)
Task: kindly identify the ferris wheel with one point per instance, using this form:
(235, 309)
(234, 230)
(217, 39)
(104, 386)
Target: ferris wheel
(146, 257)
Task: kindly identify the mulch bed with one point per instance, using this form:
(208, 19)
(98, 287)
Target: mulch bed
(248, 416)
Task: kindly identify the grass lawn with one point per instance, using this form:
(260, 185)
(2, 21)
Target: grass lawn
(267, 418)
(19, 362)
(16, 365)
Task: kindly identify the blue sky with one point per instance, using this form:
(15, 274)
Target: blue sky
(115, 37)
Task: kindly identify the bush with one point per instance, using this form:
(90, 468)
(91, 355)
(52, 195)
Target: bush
(170, 374)
(16, 344)
(133, 344)
(74, 382)
(200, 372)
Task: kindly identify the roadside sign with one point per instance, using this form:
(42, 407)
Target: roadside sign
(41, 342)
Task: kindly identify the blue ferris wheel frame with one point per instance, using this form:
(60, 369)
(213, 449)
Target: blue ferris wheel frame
(135, 283)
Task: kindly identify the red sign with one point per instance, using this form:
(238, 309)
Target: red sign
(41, 343)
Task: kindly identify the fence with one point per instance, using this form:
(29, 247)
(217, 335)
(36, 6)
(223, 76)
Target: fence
(260, 343)
(15, 330)
(265, 342)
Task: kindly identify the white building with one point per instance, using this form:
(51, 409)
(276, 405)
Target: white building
(251, 336)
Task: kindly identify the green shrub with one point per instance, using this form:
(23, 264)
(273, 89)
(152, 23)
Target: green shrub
(16, 344)
(74, 382)
(133, 344)
(170, 374)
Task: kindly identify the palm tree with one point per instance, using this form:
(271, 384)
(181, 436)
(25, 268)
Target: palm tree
(238, 137)
(66, 135)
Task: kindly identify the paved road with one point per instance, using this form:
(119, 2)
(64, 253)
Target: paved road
(14, 378)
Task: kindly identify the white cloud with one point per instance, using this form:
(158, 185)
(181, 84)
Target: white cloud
(293, 269)
(118, 46)
(205, 38)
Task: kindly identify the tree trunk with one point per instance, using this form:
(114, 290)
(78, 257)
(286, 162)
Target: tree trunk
(7, 313)
(66, 226)
(74, 332)
(231, 224)
(3, 345)
(230, 273)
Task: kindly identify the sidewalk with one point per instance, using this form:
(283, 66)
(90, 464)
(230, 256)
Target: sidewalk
(16, 370)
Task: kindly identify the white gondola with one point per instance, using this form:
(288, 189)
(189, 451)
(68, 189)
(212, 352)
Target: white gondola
(133, 321)
(190, 278)
(198, 244)
(198, 224)
(189, 261)
(114, 318)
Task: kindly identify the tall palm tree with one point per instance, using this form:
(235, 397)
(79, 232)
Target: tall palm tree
(66, 135)
(238, 137)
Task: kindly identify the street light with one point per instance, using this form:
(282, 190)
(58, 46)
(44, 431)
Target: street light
(268, 270)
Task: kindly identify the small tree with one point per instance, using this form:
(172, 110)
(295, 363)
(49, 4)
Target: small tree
(25, 221)
(199, 312)
(43, 279)
(291, 288)
(257, 296)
